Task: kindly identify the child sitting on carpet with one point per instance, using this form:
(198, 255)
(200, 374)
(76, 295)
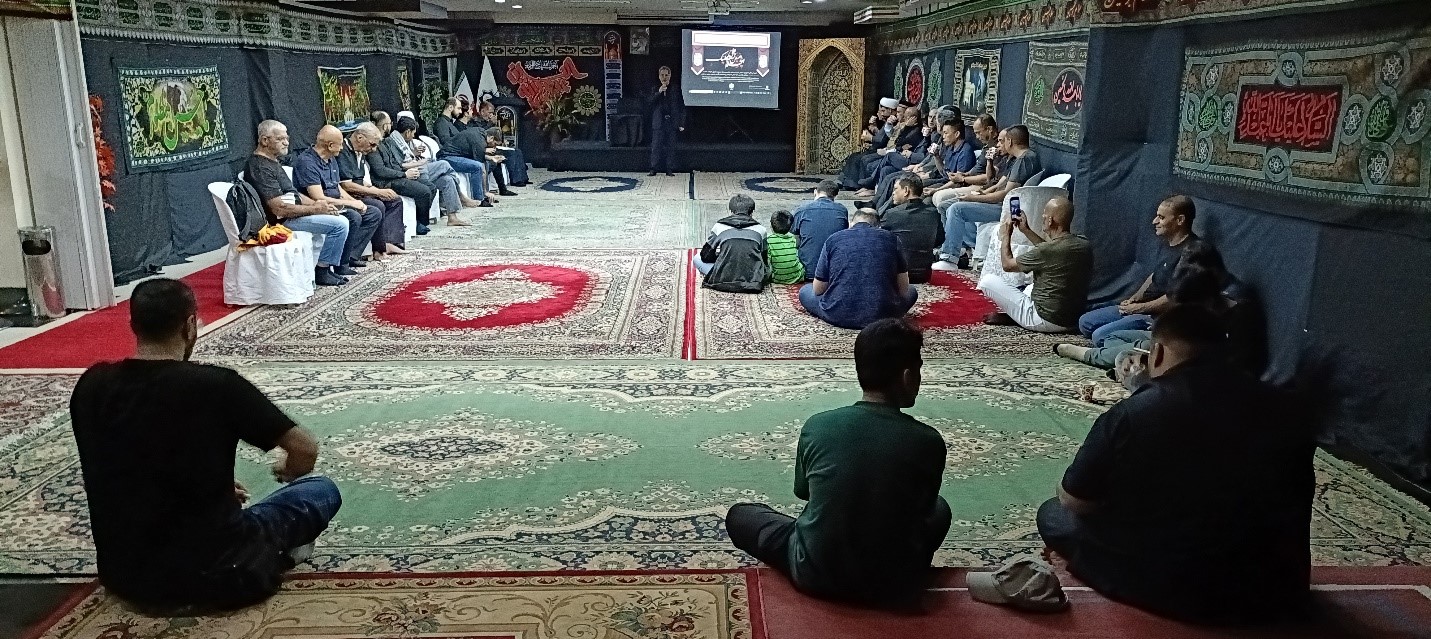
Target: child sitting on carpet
(781, 249)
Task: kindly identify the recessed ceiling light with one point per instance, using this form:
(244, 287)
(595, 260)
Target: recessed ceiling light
(499, 1)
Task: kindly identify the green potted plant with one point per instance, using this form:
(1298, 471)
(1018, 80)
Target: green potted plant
(556, 120)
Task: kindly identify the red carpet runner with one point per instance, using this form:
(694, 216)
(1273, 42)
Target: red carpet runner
(104, 335)
(1382, 602)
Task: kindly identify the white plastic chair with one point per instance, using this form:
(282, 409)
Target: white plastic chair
(274, 274)
(1032, 200)
(1061, 181)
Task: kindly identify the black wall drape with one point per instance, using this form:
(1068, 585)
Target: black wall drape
(164, 217)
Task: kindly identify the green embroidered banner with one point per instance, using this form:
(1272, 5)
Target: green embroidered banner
(172, 116)
(1344, 121)
(1053, 98)
(345, 96)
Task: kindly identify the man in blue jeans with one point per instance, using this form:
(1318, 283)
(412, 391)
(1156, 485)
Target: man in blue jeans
(1173, 225)
(280, 199)
(156, 436)
(862, 276)
(962, 216)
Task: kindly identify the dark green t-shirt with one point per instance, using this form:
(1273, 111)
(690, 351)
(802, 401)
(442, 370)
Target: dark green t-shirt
(1061, 270)
(871, 475)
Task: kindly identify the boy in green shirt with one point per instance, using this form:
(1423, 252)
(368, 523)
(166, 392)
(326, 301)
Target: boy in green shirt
(871, 475)
(782, 250)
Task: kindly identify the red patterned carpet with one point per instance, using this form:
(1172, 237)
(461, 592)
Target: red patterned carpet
(466, 304)
(772, 325)
(1381, 602)
(104, 335)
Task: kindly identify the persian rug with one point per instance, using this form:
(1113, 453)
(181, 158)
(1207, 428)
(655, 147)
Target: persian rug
(773, 325)
(490, 304)
(723, 186)
(686, 605)
(519, 223)
(1380, 602)
(569, 186)
(522, 465)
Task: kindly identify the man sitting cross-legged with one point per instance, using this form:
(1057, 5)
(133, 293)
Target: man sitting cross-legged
(862, 276)
(733, 257)
(317, 176)
(156, 436)
(1193, 497)
(815, 220)
(1062, 265)
(280, 199)
(352, 161)
(964, 214)
(871, 477)
(917, 226)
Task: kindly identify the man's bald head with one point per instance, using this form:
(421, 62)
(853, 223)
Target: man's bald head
(329, 142)
(330, 133)
(1058, 213)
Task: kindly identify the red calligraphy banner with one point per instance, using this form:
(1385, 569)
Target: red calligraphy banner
(1303, 117)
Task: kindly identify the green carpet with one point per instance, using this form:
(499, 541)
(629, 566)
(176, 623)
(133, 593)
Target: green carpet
(552, 465)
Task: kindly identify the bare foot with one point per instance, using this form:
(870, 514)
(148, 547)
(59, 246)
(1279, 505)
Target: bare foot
(394, 249)
(470, 203)
(453, 220)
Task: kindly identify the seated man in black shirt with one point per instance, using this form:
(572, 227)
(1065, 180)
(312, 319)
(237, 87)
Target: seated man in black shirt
(1193, 497)
(281, 199)
(871, 475)
(916, 224)
(354, 173)
(156, 437)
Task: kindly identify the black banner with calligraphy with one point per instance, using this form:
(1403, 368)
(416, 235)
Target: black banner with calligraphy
(1343, 122)
(1053, 98)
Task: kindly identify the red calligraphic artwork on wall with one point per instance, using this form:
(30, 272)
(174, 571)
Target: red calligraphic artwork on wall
(1068, 93)
(1303, 118)
(540, 92)
(914, 85)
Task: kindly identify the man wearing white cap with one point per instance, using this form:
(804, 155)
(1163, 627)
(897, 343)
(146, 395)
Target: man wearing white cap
(876, 135)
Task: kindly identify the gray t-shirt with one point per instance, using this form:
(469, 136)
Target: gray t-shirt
(1025, 167)
(1061, 270)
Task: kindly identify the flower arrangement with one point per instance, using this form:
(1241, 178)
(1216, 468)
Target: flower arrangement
(556, 118)
(103, 155)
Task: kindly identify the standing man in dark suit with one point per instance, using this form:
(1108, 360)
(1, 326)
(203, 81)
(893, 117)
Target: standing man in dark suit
(668, 117)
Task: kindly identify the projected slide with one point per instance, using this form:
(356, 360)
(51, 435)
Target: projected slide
(731, 69)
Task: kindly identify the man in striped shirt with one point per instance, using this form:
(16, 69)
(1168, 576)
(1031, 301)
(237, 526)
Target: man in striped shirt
(782, 251)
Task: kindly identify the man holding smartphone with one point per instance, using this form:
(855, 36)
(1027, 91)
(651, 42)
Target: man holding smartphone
(1062, 264)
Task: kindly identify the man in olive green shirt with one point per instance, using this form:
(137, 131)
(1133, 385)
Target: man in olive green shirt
(1062, 265)
(871, 475)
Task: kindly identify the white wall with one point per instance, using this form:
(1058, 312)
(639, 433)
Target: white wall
(15, 209)
(54, 151)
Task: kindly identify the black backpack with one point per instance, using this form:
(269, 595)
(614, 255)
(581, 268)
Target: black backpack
(248, 210)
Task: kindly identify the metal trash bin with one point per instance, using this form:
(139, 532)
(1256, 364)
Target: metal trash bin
(42, 272)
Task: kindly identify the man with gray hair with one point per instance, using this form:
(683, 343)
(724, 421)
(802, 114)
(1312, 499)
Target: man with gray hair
(282, 201)
(353, 172)
(386, 164)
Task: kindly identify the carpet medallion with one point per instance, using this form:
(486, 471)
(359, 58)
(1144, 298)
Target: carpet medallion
(521, 223)
(723, 186)
(446, 305)
(566, 185)
(773, 325)
(711, 605)
(561, 465)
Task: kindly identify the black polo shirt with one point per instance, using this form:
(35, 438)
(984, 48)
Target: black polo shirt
(1203, 487)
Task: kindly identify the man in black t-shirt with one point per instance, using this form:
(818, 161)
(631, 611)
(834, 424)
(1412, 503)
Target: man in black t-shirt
(281, 199)
(916, 224)
(871, 476)
(156, 437)
(353, 175)
(1173, 225)
(1193, 497)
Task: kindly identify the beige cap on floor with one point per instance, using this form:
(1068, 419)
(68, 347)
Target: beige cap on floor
(1025, 583)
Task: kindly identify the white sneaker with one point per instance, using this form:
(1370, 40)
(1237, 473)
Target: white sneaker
(945, 265)
(301, 554)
